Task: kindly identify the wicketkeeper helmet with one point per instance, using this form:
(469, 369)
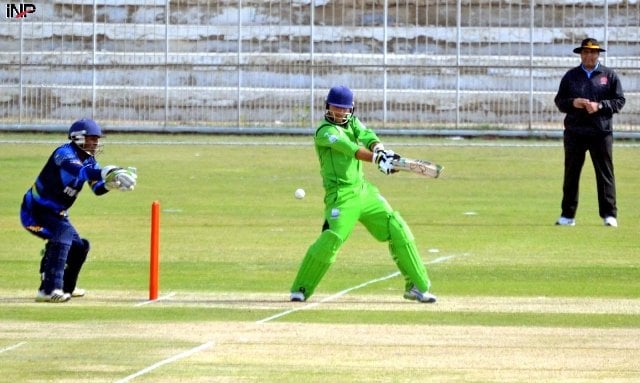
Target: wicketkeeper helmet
(82, 128)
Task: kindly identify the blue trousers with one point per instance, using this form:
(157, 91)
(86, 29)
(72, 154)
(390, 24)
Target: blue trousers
(64, 246)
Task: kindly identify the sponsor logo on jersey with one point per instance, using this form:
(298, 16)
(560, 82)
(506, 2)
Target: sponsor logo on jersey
(331, 137)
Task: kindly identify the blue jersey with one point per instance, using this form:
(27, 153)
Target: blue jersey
(63, 177)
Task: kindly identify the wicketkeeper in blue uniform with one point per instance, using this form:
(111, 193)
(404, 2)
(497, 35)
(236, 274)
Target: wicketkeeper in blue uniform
(45, 205)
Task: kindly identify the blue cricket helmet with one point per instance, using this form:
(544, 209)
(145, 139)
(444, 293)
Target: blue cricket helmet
(340, 96)
(84, 127)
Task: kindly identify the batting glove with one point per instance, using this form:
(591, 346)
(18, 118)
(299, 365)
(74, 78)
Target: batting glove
(378, 153)
(385, 164)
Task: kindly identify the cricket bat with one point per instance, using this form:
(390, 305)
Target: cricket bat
(422, 167)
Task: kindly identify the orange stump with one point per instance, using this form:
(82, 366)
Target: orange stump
(155, 249)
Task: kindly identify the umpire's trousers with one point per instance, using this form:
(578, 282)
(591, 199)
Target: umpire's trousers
(600, 147)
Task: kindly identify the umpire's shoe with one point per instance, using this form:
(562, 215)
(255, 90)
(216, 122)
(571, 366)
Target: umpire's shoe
(564, 221)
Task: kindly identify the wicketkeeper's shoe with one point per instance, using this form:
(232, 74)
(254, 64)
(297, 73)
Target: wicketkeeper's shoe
(610, 221)
(564, 221)
(416, 295)
(56, 296)
(297, 296)
(78, 292)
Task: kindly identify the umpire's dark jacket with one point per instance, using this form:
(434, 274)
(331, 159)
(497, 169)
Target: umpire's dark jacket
(603, 86)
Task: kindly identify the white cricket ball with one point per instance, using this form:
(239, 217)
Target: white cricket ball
(299, 193)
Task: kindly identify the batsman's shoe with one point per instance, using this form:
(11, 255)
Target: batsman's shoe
(297, 296)
(56, 296)
(78, 292)
(415, 295)
(564, 221)
(610, 221)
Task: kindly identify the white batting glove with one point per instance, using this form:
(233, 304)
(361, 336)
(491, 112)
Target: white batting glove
(378, 152)
(385, 161)
(386, 164)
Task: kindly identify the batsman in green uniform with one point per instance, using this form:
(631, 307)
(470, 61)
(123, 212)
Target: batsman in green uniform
(343, 143)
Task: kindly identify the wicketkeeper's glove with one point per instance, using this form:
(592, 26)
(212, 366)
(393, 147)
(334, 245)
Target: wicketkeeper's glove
(118, 178)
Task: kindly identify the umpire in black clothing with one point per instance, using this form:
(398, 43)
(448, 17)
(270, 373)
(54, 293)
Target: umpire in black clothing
(589, 94)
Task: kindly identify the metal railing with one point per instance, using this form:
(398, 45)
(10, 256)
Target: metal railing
(254, 66)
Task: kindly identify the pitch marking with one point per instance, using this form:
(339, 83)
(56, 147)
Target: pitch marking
(167, 361)
(12, 347)
(344, 292)
(210, 343)
(155, 300)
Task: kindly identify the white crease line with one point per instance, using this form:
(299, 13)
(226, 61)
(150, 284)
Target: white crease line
(12, 347)
(167, 361)
(328, 299)
(344, 292)
(155, 300)
(210, 343)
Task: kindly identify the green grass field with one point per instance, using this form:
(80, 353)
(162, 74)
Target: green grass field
(520, 300)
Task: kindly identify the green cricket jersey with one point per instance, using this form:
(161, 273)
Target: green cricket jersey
(350, 199)
(336, 146)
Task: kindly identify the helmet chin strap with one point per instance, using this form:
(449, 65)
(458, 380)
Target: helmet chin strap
(329, 115)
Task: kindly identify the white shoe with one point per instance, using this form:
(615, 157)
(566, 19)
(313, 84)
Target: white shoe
(56, 296)
(564, 221)
(78, 292)
(610, 221)
(297, 297)
(416, 295)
